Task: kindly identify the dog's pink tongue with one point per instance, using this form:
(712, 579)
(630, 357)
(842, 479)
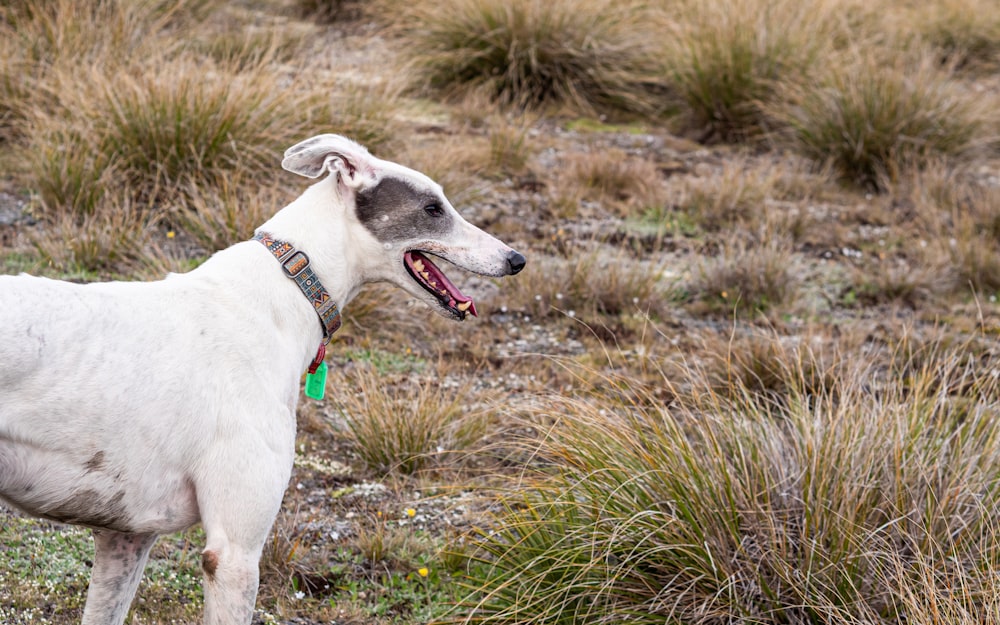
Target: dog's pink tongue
(459, 300)
(440, 283)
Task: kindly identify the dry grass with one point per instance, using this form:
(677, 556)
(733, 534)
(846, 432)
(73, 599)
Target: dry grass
(406, 428)
(219, 215)
(959, 218)
(873, 115)
(974, 241)
(820, 507)
(176, 132)
(771, 368)
(611, 177)
(101, 242)
(966, 31)
(897, 282)
(726, 59)
(589, 286)
(829, 456)
(161, 132)
(528, 54)
(747, 278)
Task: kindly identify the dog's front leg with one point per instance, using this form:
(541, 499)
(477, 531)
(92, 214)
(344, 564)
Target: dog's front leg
(238, 498)
(231, 578)
(118, 563)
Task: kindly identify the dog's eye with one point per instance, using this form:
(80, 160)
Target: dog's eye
(434, 210)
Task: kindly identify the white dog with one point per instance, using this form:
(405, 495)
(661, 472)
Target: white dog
(139, 409)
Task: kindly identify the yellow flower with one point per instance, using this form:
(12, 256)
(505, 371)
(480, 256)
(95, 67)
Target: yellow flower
(423, 571)
(725, 295)
(170, 234)
(410, 512)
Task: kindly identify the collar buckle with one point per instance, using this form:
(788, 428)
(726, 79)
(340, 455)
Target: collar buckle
(295, 264)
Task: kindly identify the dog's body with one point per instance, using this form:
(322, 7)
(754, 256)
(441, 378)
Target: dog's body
(140, 409)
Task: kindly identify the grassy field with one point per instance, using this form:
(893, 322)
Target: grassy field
(750, 374)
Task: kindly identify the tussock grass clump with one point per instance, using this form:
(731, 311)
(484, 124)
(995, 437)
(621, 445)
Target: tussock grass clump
(509, 149)
(726, 58)
(587, 286)
(328, 11)
(873, 117)
(843, 506)
(735, 195)
(896, 281)
(147, 136)
(968, 31)
(15, 89)
(747, 278)
(612, 176)
(760, 197)
(404, 429)
(225, 212)
(109, 109)
(114, 235)
(175, 126)
(160, 139)
(527, 53)
(57, 32)
(771, 367)
(959, 217)
(972, 220)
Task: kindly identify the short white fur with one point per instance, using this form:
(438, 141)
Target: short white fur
(140, 409)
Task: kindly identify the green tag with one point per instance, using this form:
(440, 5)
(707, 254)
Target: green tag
(316, 383)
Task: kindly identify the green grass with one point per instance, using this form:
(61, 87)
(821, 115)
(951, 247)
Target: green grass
(385, 362)
(49, 565)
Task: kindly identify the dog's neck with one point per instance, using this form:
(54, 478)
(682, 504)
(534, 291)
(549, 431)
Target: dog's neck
(297, 267)
(332, 248)
(319, 222)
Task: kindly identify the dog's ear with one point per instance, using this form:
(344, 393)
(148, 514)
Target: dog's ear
(313, 157)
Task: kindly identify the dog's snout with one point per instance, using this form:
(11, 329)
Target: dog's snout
(515, 262)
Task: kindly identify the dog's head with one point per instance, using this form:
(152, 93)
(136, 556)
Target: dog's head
(411, 220)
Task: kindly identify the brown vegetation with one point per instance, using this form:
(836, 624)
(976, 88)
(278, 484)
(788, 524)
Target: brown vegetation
(748, 374)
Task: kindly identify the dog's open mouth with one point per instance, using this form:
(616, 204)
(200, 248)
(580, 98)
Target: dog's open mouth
(427, 275)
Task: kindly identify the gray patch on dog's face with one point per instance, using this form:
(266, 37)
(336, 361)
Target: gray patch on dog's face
(395, 210)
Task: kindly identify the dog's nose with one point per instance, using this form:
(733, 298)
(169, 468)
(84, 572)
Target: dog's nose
(515, 262)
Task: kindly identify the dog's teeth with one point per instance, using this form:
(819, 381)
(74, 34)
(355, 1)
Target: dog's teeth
(425, 275)
(464, 306)
(419, 266)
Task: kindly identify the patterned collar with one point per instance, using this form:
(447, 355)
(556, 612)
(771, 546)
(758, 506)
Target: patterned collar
(296, 266)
